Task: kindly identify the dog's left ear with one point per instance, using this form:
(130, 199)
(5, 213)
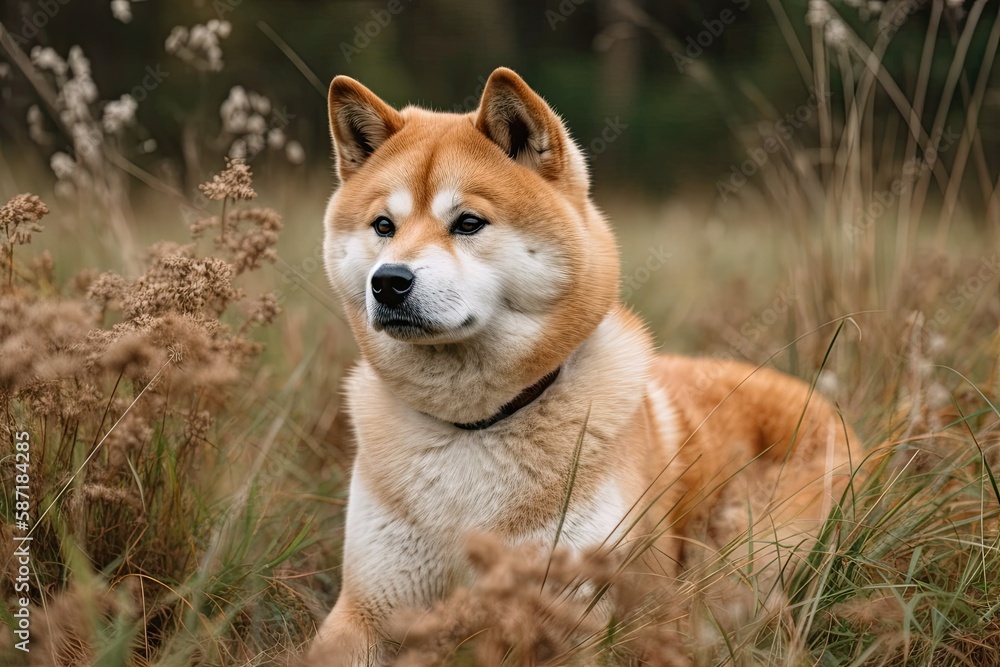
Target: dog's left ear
(360, 122)
(517, 119)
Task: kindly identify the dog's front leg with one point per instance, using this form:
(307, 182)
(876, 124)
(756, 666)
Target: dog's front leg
(390, 564)
(350, 636)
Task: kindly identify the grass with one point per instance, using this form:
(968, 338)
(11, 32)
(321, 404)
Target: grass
(189, 458)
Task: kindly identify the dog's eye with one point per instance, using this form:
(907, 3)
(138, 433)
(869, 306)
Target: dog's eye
(383, 226)
(468, 224)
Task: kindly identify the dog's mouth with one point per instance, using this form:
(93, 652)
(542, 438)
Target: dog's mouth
(418, 330)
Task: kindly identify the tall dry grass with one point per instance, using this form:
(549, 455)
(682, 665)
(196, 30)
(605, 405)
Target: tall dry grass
(147, 528)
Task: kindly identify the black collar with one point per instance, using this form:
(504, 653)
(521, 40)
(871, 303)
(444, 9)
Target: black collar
(526, 397)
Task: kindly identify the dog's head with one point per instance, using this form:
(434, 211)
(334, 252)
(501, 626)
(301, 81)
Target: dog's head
(465, 235)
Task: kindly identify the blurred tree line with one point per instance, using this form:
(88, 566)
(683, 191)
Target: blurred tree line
(629, 76)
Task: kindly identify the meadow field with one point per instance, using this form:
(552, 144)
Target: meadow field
(171, 357)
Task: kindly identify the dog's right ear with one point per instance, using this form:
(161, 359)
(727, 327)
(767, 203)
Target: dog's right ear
(360, 122)
(523, 125)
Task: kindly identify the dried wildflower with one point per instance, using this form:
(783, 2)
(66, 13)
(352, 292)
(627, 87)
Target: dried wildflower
(68, 625)
(197, 425)
(880, 611)
(162, 249)
(256, 244)
(837, 34)
(235, 182)
(234, 111)
(266, 310)
(59, 366)
(20, 217)
(276, 138)
(200, 45)
(819, 13)
(180, 284)
(507, 609)
(63, 166)
(110, 494)
(36, 126)
(46, 58)
(131, 354)
(198, 227)
(32, 332)
(106, 288)
(15, 362)
(294, 152)
(43, 266)
(122, 10)
(244, 116)
(119, 113)
(80, 283)
(124, 440)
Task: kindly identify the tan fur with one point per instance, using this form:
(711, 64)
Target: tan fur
(689, 445)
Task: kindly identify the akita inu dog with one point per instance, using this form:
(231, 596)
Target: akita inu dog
(482, 285)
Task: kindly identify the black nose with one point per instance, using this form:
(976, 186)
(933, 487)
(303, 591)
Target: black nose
(391, 283)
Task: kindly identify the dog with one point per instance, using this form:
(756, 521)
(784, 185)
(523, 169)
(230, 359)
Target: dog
(481, 284)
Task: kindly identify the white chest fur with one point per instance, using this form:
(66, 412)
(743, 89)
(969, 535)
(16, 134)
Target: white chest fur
(420, 485)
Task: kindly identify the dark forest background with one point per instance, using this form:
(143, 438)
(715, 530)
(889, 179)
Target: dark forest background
(599, 62)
